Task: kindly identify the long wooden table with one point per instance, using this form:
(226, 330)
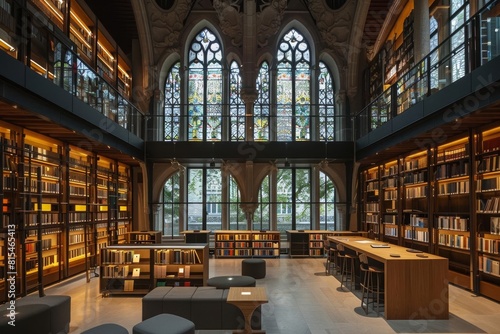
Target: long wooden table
(415, 284)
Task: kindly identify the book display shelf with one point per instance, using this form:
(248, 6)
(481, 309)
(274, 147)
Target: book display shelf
(229, 243)
(54, 207)
(137, 269)
(143, 237)
(443, 200)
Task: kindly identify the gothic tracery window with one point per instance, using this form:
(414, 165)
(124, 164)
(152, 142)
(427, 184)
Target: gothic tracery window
(326, 104)
(262, 105)
(293, 95)
(205, 88)
(172, 109)
(236, 105)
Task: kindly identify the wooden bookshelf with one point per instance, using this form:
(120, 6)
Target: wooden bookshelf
(196, 236)
(137, 269)
(143, 237)
(310, 243)
(229, 243)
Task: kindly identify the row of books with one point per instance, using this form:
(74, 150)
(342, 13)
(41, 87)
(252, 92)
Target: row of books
(452, 170)
(162, 271)
(233, 252)
(268, 244)
(372, 218)
(415, 163)
(266, 252)
(453, 188)
(492, 205)
(416, 192)
(489, 265)
(177, 256)
(119, 256)
(390, 171)
(372, 207)
(390, 183)
(452, 223)
(488, 245)
(492, 144)
(453, 154)
(391, 231)
(489, 164)
(410, 178)
(454, 240)
(390, 195)
(488, 184)
(418, 221)
(417, 235)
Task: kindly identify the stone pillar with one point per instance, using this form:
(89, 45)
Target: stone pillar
(249, 96)
(421, 30)
(340, 109)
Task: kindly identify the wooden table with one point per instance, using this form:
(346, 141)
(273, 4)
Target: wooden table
(247, 299)
(415, 287)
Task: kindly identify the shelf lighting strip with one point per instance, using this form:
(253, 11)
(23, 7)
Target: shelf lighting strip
(80, 22)
(123, 71)
(106, 51)
(7, 46)
(55, 10)
(105, 63)
(80, 37)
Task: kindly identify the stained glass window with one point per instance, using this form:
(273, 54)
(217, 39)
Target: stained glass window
(326, 104)
(262, 105)
(205, 88)
(293, 97)
(236, 105)
(172, 103)
(327, 205)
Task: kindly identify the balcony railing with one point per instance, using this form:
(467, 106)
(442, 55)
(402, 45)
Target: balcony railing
(470, 46)
(53, 56)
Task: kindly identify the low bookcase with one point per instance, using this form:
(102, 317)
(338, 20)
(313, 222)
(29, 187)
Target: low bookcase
(137, 269)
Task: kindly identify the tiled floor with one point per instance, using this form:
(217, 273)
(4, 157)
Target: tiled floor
(302, 300)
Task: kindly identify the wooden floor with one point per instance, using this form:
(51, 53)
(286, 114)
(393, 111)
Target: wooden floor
(302, 300)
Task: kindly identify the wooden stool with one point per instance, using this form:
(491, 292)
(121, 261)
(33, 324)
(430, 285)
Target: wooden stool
(347, 265)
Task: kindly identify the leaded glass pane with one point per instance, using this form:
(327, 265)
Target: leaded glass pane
(195, 191)
(236, 105)
(172, 103)
(262, 105)
(326, 104)
(262, 215)
(326, 203)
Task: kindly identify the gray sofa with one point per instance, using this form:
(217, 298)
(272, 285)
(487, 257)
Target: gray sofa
(205, 306)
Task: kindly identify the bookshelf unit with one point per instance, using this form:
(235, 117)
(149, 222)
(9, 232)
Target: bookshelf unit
(449, 205)
(137, 269)
(371, 201)
(310, 243)
(49, 206)
(143, 237)
(238, 243)
(196, 236)
(390, 195)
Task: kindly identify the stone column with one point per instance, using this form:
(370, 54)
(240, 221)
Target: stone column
(249, 96)
(421, 30)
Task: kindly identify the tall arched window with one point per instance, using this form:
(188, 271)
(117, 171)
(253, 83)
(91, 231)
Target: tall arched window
(168, 219)
(172, 109)
(262, 215)
(236, 105)
(262, 105)
(205, 87)
(326, 104)
(293, 94)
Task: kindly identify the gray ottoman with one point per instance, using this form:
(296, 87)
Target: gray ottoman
(29, 318)
(206, 307)
(178, 301)
(152, 303)
(106, 329)
(59, 308)
(225, 282)
(164, 324)
(255, 268)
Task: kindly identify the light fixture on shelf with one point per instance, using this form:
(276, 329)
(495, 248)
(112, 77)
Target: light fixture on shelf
(6, 46)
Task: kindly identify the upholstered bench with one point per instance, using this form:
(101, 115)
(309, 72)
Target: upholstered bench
(255, 268)
(225, 282)
(164, 324)
(48, 314)
(60, 310)
(29, 318)
(206, 307)
(107, 328)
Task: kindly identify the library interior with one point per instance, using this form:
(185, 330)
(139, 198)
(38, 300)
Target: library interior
(249, 166)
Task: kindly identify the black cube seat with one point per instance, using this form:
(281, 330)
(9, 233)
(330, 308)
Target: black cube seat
(164, 324)
(225, 282)
(60, 310)
(255, 268)
(29, 318)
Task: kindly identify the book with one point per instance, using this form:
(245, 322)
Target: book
(495, 225)
(128, 285)
(136, 258)
(187, 271)
(136, 272)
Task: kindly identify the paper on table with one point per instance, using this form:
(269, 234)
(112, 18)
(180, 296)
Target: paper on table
(365, 241)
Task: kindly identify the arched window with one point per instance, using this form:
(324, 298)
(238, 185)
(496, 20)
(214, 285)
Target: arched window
(172, 109)
(326, 104)
(168, 219)
(293, 91)
(205, 87)
(262, 215)
(236, 105)
(262, 105)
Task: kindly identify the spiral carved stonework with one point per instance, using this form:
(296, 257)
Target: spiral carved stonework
(231, 19)
(269, 16)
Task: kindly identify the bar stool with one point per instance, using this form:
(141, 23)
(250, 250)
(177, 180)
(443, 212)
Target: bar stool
(347, 265)
(371, 286)
(330, 256)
